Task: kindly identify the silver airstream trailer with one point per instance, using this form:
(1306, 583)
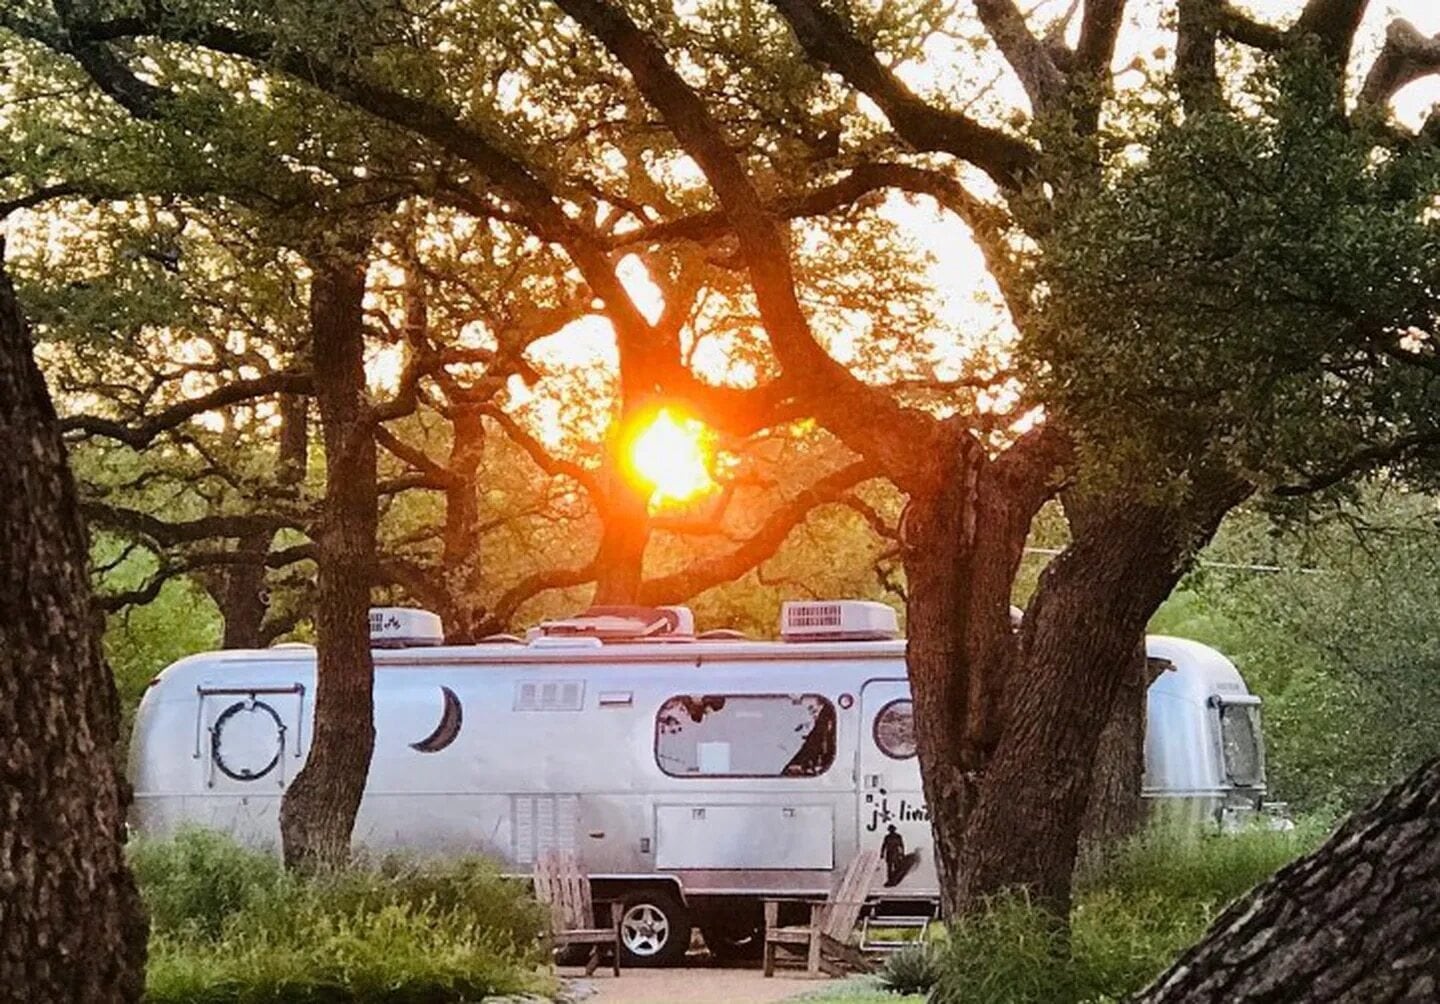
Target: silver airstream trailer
(692, 774)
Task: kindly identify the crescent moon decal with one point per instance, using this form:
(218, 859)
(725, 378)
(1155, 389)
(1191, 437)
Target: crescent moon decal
(449, 727)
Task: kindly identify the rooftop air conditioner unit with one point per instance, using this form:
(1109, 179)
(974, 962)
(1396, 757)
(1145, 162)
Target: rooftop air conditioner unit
(837, 620)
(402, 627)
(625, 623)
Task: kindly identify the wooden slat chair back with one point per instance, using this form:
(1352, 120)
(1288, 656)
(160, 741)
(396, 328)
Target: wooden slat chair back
(832, 923)
(563, 887)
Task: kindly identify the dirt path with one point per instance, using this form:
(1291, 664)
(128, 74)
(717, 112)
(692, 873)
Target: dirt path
(691, 986)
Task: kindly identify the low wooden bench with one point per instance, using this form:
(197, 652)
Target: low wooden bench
(832, 923)
(564, 887)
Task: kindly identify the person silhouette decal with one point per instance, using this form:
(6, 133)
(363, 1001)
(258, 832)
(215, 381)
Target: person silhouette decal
(897, 863)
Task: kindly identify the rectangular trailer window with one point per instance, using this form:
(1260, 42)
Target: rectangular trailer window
(1244, 748)
(745, 735)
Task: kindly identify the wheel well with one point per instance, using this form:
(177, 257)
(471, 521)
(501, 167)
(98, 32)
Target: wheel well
(607, 890)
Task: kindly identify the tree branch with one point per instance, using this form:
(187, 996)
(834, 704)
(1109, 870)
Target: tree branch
(238, 392)
(1242, 28)
(1407, 56)
(1099, 29)
(1195, 50)
(1026, 54)
(37, 197)
(761, 545)
(871, 422)
(1363, 461)
(829, 41)
(1333, 23)
(543, 458)
(533, 585)
(416, 458)
(168, 533)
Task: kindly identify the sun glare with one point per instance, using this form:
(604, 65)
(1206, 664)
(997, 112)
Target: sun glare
(671, 456)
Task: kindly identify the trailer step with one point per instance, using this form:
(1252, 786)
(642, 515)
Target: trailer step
(910, 931)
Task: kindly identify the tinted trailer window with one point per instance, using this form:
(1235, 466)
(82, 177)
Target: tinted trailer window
(1243, 747)
(745, 735)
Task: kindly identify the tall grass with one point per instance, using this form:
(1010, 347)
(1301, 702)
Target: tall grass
(230, 925)
(1134, 912)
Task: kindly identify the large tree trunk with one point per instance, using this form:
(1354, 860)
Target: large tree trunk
(624, 534)
(1358, 920)
(1115, 808)
(1076, 645)
(318, 811)
(1008, 725)
(71, 924)
(465, 616)
(1077, 649)
(962, 545)
(242, 594)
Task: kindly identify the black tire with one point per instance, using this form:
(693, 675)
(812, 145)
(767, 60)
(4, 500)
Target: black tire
(734, 939)
(654, 929)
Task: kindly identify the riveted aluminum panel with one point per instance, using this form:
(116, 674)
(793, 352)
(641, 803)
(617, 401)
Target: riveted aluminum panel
(771, 835)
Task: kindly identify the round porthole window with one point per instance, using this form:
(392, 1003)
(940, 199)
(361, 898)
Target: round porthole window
(895, 729)
(246, 740)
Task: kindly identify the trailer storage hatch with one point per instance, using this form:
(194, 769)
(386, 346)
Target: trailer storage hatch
(745, 836)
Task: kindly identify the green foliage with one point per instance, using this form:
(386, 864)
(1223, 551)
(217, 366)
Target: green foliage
(1133, 913)
(860, 990)
(196, 883)
(1233, 290)
(913, 969)
(141, 641)
(230, 924)
(1338, 639)
(1182, 864)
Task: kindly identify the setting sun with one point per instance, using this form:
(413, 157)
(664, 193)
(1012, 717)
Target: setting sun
(671, 455)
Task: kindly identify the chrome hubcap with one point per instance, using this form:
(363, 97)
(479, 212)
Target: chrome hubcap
(644, 929)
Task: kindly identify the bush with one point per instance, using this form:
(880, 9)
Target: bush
(230, 925)
(195, 882)
(913, 969)
(1133, 914)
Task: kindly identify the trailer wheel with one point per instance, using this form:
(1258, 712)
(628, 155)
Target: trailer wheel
(734, 938)
(654, 928)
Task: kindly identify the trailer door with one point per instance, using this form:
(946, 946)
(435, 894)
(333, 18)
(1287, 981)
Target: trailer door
(892, 812)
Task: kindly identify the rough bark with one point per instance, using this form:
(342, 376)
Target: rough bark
(318, 811)
(1076, 649)
(1115, 808)
(961, 549)
(620, 559)
(465, 616)
(71, 924)
(1009, 725)
(242, 596)
(1358, 920)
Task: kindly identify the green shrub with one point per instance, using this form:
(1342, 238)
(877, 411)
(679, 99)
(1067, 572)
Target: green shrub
(192, 884)
(913, 969)
(1008, 953)
(1133, 914)
(396, 955)
(231, 926)
(1184, 863)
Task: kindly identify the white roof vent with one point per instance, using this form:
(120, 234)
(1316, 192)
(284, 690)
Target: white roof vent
(625, 623)
(837, 620)
(402, 627)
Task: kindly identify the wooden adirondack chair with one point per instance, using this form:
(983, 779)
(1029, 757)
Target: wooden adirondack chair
(827, 936)
(563, 886)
